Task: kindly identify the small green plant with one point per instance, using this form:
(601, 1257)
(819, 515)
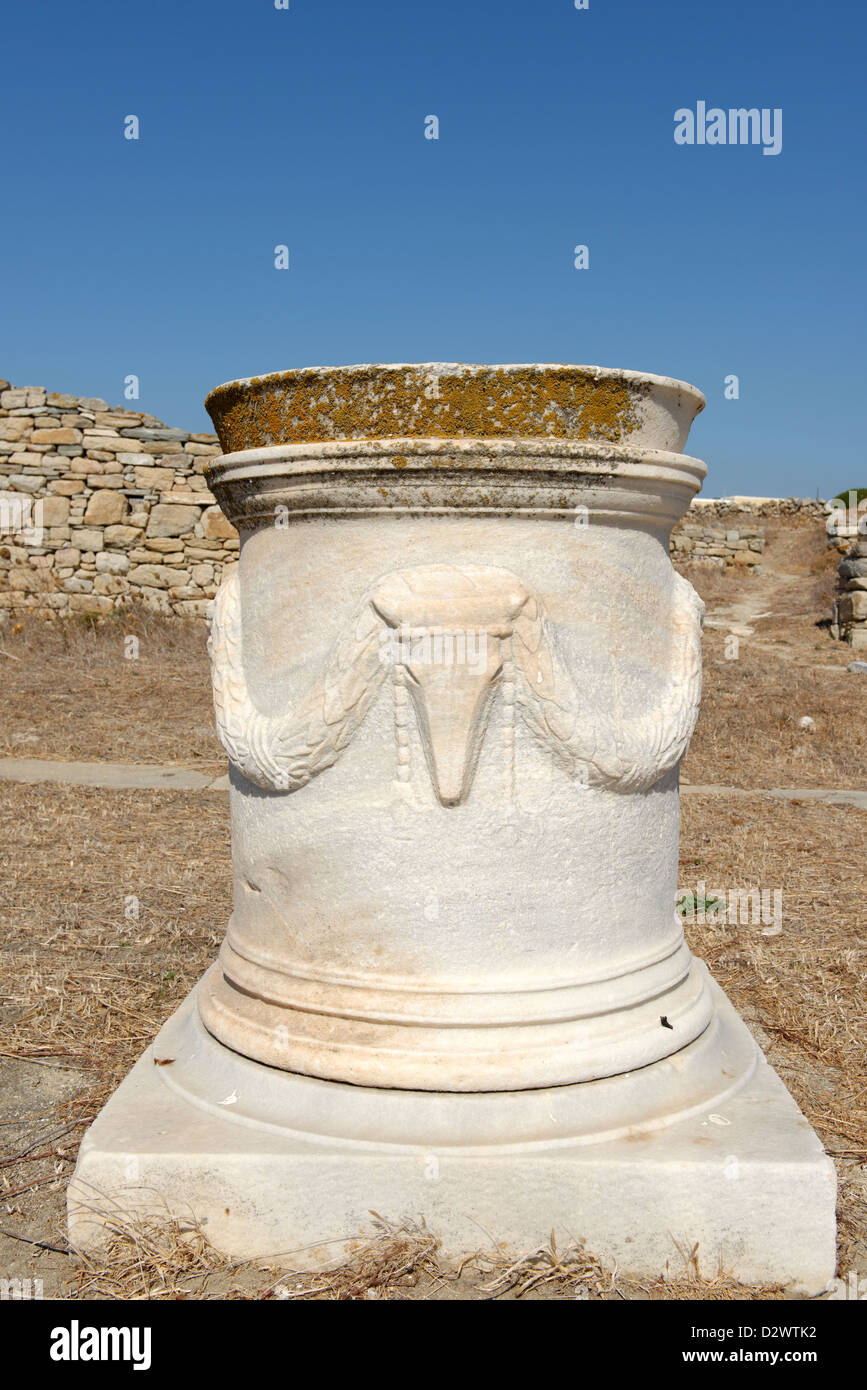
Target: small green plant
(690, 904)
(843, 498)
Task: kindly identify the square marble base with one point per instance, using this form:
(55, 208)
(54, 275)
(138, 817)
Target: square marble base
(746, 1178)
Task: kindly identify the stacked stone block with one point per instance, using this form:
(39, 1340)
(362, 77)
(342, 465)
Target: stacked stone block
(101, 507)
(719, 547)
(849, 618)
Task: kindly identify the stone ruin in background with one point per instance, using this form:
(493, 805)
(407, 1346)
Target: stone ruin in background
(847, 531)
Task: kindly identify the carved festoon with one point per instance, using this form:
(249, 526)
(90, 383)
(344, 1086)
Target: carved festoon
(451, 637)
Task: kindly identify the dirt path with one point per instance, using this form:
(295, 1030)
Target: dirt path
(171, 776)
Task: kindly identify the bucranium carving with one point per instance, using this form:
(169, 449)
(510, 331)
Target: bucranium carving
(445, 633)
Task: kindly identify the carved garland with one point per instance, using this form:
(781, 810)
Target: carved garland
(284, 752)
(605, 749)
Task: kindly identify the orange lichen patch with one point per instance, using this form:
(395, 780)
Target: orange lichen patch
(384, 402)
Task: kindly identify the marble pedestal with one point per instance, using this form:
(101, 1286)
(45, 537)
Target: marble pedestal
(285, 1169)
(455, 673)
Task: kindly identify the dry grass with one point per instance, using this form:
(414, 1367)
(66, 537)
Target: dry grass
(165, 1258)
(570, 1271)
(168, 1259)
(400, 1256)
(152, 1259)
(82, 976)
(802, 991)
(748, 732)
(161, 1257)
(70, 692)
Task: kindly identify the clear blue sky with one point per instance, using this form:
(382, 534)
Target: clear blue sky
(306, 127)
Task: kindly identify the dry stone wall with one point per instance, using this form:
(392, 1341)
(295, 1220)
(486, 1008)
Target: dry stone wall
(726, 532)
(849, 616)
(721, 547)
(100, 507)
(768, 508)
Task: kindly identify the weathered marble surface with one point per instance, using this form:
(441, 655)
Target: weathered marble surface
(455, 673)
(455, 677)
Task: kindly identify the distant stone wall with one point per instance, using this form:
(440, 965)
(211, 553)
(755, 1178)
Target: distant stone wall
(806, 508)
(694, 542)
(102, 507)
(720, 531)
(849, 616)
